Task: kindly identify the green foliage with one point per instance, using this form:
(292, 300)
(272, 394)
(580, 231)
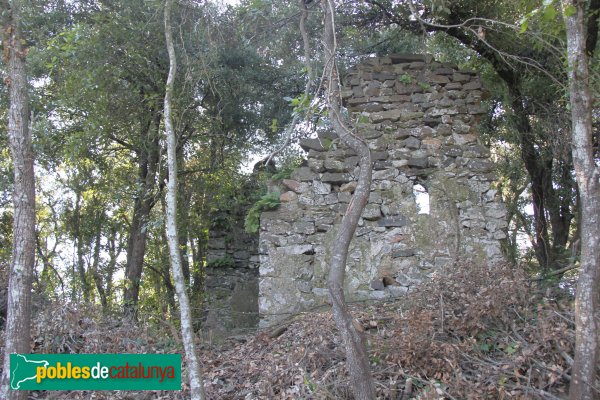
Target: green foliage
(440, 7)
(288, 167)
(546, 17)
(424, 86)
(282, 174)
(491, 341)
(310, 384)
(222, 262)
(406, 79)
(269, 201)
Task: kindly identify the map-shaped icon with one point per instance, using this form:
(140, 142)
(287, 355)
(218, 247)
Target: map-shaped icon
(23, 369)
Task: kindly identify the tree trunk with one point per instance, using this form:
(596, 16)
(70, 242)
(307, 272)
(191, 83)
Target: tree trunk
(538, 162)
(187, 332)
(113, 254)
(136, 242)
(357, 360)
(95, 267)
(583, 377)
(184, 215)
(85, 290)
(18, 320)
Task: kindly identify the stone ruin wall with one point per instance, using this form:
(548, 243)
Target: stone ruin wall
(419, 118)
(231, 278)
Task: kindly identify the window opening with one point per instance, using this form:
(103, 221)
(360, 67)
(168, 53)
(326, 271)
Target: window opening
(421, 198)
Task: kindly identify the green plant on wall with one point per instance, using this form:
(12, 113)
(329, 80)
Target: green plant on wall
(424, 86)
(222, 262)
(269, 201)
(406, 79)
(287, 168)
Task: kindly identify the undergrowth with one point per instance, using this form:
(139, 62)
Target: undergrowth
(472, 332)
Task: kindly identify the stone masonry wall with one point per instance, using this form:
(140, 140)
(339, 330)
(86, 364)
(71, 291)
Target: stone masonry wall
(231, 278)
(419, 117)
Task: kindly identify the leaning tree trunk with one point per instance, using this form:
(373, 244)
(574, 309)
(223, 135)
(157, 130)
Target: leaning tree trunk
(187, 332)
(357, 360)
(583, 377)
(18, 318)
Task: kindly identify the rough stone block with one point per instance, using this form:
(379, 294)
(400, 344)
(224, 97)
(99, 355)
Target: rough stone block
(375, 198)
(403, 253)
(335, 178)
(298, 249)
(371, 212)
(369, 107)
(344, 197)
(439, 79)
(357, 92)
(305, 227)
(288, 197)
(406, 58)
(458, 77)
(420, 162)
(377, 284)
(431, 143)
(303, 174)
(321, 188)
(452, 151)
(412, 143)
(496, 210)
(481, 165)
(316, 165)
(392, 115)
(462, 139)
(397, 291)
(349, 187)
(443, 71)
(397, 221)
(292, 185)
(476, 151)
(384, 76)
(311, 144)
(473, 85)
(431, 121)
(386, 174)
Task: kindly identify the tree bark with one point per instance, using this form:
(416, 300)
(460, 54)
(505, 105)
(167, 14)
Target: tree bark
(95, 267)
(18, 320)
(187, 332)
(85, 289)
(583, 377)
(357, 360)
(136, 243)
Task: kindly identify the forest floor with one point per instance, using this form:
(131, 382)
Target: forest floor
(470, 333)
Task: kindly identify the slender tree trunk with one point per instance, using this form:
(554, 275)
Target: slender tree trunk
(85, 289)
(357, 360)
(586, 302)
(184, 215)
(95, 268)
(18, 320)
(187, 332)
(113, 254)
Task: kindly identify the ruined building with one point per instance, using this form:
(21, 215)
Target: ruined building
(432, 199)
